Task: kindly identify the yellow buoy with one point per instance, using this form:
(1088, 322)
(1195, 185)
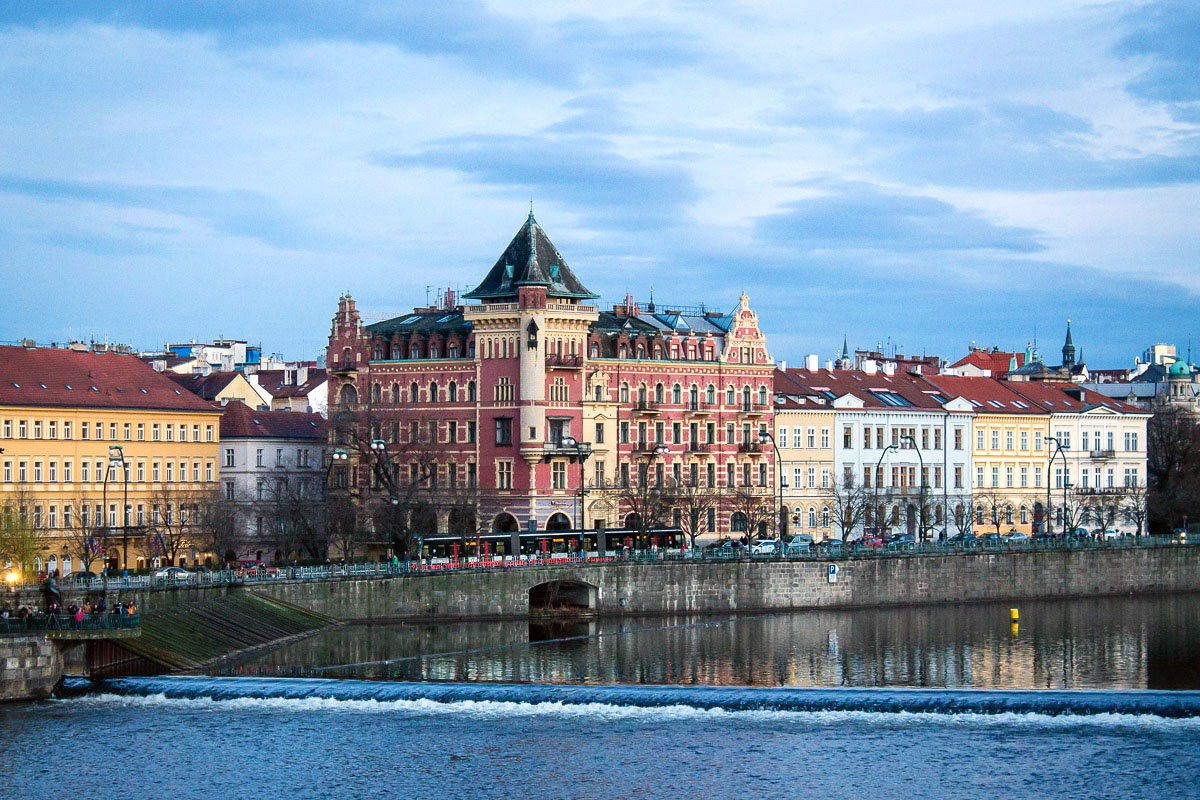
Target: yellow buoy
(1014, 614)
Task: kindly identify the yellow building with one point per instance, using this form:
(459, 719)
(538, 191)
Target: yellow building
(804, 435)
(1009, 454)
(83, 434)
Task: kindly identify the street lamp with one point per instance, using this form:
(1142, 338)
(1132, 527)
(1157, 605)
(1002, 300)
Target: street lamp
(1050, 465)
(117, 456)
(780, 479)
(921, 490)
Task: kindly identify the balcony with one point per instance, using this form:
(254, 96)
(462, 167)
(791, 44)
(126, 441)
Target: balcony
(340, 367)
(1102, 454)
(700, 448)
(698, 409)
(753, 409)
(564, 361)
(558, 449)
(647, 407)
(647, 448)
(752, 448)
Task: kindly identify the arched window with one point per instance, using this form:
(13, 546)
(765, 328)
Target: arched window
(471, 349)
(433, 350)
(414, 393)
(378, 352)
(1008, 515)
(825, 517)
(452, 350)
(1024, 515)
(737, 522)
(348, 395)
(623, 351)
(452, 392)
(729, 396)
(471, 391)
(762, 395)
(395, 393)
(959, 516)
(599, 393)
(433, 391)
(414, 351)
(396, 352)
(624, 394)
(376, 393)
(347, 359)
(658, 393)
(641, 351)
(711, 395)
(693, 395)
(745, 397)
(595, 350)
(642, 393)
(657, 352)
(812, 517)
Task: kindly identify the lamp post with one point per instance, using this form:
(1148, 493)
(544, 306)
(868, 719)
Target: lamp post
(1050, 465)
(879, 480)
(117, 456)
(921, 490)
(780, 478)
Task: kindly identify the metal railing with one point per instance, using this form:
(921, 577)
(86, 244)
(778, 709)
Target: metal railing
(820, 551)
(66, 622)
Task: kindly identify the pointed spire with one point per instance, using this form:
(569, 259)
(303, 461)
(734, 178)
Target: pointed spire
(845, 347)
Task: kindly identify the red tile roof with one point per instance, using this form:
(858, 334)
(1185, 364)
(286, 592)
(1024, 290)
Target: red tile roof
(242, 422)
(47, 376)
(987, 395)
(996, 362)
(867, 387)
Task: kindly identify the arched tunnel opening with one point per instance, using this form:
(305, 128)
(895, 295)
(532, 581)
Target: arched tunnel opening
(568, 597)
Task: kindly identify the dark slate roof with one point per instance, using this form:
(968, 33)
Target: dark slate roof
(274, 382)
(205, 386)
(47, 376)
(242, 422)
(530, 259)
(424, 322)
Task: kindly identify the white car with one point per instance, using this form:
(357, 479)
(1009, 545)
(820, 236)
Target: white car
(766, 547)
(177, 574)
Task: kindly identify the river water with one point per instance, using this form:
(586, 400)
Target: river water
(1084, 699)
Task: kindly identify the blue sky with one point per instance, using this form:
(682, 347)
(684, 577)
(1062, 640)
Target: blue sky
(926, 173)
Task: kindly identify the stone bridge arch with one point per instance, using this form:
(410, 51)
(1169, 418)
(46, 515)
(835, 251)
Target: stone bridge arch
(563, 595)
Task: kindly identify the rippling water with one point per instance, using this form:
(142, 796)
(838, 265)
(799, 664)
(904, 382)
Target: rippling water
(820, 705)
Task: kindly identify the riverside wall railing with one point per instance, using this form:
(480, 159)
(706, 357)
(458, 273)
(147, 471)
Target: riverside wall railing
(736, 552)
(45, 623)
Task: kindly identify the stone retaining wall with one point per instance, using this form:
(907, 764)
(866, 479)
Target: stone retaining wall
(30, 667)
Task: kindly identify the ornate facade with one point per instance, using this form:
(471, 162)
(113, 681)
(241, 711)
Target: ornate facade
(533, 409)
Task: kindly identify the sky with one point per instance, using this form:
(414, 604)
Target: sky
(920, 175)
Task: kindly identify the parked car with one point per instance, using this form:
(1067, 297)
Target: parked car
(799, 545)
(82, 575)
(870, 540)
(177, 574)
(726, 548)
(766, 547)
(829, 546)
(1017, 536)
(959, 538)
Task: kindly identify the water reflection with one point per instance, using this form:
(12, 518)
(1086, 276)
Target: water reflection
(1103, 643)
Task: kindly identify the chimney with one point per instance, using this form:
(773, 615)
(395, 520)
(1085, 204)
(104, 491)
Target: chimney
(302, 372)
(869, 366)
(829, 366)
(783, 365)
(812, 362)
(889, 368)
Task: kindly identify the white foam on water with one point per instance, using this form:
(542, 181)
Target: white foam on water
(605, 711)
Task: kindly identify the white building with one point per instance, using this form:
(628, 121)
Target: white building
(269, 459)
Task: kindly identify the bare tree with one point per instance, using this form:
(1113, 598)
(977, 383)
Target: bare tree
(693, 500)
(757, 509)
(171, 522)
(346, 526)
(1135, 508)
(20, 541)
(963, 514)
(996, 507)
(217, 526)
(84, 537)
(647, 501)
(848, 501)
(1106, 509)
(1173, 467)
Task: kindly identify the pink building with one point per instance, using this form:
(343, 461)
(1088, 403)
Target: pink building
(533, 410)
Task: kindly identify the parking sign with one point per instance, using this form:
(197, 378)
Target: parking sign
(832, 573)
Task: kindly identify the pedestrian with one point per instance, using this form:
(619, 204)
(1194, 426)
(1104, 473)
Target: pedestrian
(132, 608)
